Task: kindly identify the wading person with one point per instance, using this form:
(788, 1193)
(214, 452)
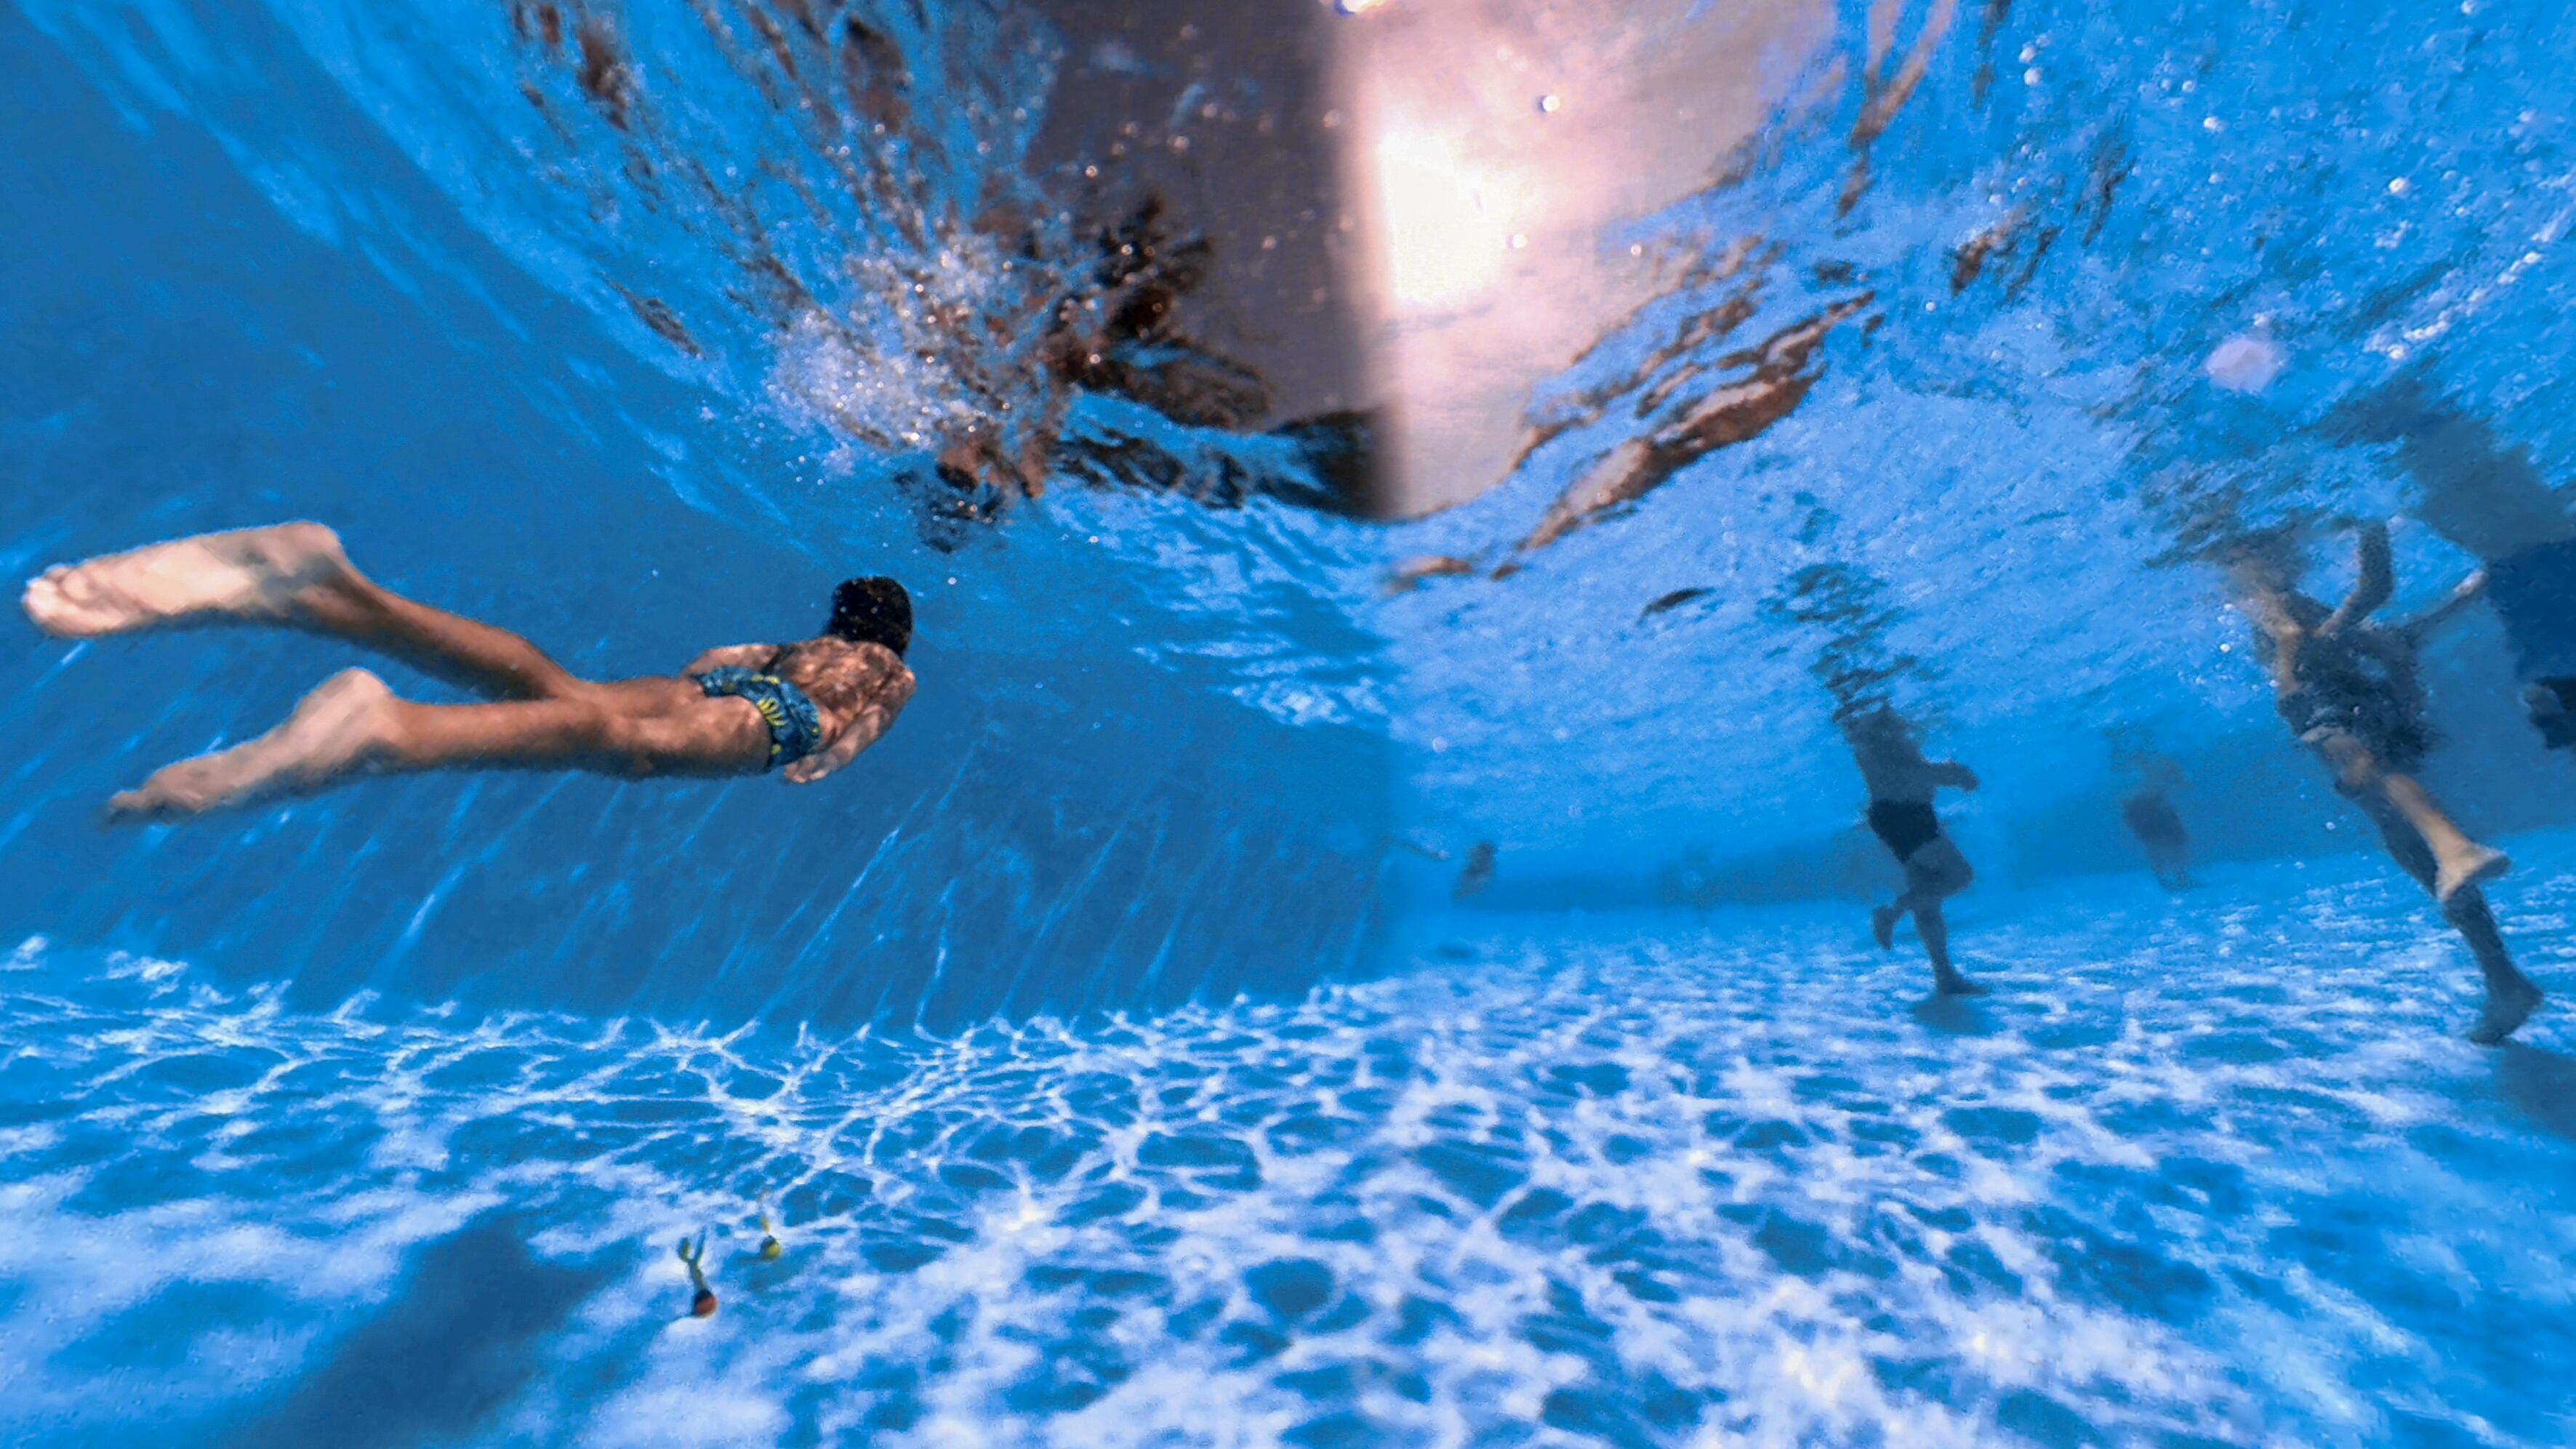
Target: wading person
(2348, 688)
(1902, 784)
(2150, 815)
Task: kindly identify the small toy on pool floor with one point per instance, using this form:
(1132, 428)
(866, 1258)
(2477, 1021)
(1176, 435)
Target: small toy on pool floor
(770, 1248)
(702, 1302)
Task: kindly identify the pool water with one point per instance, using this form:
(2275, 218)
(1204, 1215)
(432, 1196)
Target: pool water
(1117, 1048)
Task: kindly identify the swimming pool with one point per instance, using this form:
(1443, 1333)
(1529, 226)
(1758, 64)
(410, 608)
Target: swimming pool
(1112, 1057)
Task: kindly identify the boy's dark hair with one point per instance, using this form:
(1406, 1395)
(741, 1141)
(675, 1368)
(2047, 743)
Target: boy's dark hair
(872, 611)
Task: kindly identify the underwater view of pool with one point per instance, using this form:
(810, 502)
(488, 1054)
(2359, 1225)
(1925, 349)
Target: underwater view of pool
(1359, 926)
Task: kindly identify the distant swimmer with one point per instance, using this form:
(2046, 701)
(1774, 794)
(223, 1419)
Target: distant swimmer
(804, 709)
(2486, 496)
(2151, 815)
(771, 1249)
(1476, 874)
(702, 1295)
(2348, 688)
(1902, 784)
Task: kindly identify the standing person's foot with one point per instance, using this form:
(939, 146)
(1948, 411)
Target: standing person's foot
(2506, 1011)
(1948, 982)
(1882, 925)
(2474, 866)
(332, 732)
(251, 573)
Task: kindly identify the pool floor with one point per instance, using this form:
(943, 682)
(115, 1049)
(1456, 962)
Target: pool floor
(2211, 1169)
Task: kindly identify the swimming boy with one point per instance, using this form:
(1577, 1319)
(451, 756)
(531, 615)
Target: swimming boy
(2348, 688)
(803, 709)
(1902, 784)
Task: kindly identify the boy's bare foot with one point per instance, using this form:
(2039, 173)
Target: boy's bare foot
(332, 732)
(251, 573)
(1951, 983)
(2506, 1011)
(1882, 925)
(2475, 866)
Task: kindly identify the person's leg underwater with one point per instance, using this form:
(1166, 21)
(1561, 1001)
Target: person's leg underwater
(1932, 875)
(354, 726)
(294, 575)
(2511, 996)
(2459, 862)
(335, 732)
(1883, 919)
(251, 575)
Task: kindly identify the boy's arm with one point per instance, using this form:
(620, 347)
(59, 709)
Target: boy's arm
(2372, 589)
(2271, 614)
(874, 719)
(737, 656)
(1954, 775)
(2466, 593)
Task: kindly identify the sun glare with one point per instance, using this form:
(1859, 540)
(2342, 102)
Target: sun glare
(1448, 226)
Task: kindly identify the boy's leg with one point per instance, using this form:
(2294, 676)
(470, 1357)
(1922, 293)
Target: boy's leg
(2511, 996)
(296, 575)
(337, 731)
(2459, 862)
(353, 726)
(2462, 863)
(251, 574)
(447, 646)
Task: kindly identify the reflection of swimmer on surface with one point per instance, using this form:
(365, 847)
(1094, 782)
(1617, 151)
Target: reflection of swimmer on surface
(702, 1296)
(2488, 498)
(805, 709)
(2348, 689)
(1476, 874)
(1902, 785)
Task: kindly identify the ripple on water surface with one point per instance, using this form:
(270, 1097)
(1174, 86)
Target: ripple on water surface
(2214, 1170)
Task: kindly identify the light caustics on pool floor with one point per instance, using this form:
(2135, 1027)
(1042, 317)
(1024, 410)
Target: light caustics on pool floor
(2207, 1170)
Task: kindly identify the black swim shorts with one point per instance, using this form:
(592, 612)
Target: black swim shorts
(1904, 826)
